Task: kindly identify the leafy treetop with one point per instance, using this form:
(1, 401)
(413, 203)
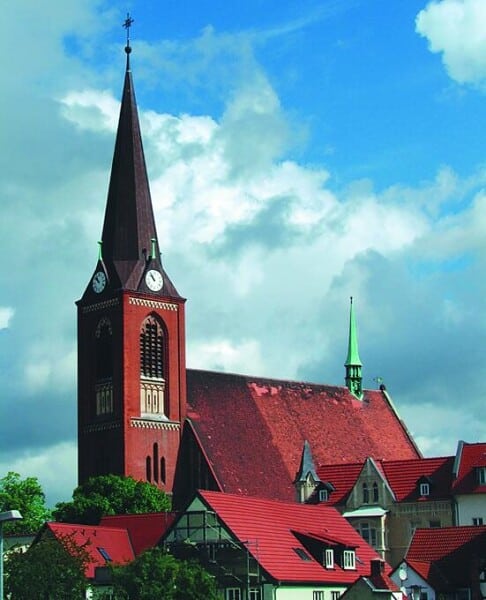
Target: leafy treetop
(110, 495)
(26, 496)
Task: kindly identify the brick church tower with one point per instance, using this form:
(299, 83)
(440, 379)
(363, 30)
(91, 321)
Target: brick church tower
(131, 334)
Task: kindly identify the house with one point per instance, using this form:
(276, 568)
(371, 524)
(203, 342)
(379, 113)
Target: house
(469, 484)
(385, 500)
(104, 546)
(376, 585)
(447, 563)
(142, 413)
(260, 549)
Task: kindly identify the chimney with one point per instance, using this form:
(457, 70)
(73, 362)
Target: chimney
(377, 567)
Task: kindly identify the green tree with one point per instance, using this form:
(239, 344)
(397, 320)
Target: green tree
(51, 569)
(156, 574)
(26, 496)
(110, 495)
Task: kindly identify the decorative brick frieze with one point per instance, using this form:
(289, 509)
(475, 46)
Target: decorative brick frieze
(152, 304)
(106, 426)
(100, 305)
(152, 424)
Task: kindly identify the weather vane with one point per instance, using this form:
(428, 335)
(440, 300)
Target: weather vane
(127, 24)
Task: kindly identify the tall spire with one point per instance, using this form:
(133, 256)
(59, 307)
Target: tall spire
(353, 363)
(129, 236)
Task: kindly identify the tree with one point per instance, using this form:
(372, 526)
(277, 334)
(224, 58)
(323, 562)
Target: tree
(156, 574)
(51, 568)
(26, 496)
(110, 495)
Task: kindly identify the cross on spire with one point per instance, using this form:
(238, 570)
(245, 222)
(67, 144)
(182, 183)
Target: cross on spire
(127, 24)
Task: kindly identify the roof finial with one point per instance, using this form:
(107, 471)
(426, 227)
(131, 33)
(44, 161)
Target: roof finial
(353, 363)
(127, 24)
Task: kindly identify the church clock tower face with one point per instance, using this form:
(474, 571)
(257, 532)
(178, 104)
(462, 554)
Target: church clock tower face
(154, 280)
(131, 331)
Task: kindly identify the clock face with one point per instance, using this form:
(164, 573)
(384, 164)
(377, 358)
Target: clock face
(154, 280)
(99, 282)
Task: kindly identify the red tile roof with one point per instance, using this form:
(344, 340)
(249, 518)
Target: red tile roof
(450, 552)
(469, 457)
(273, 529)
(114, 542)
(402, 477)
(253, 429)
(144, 530)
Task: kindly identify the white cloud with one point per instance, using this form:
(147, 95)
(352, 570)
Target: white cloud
(456, 29)
(225, 355)
(94, 110)
(6, 314)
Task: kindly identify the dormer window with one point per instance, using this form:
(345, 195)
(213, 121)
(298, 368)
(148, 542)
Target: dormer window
(481, 475)
(424, 489)
(329, 558)
(323, 495)
(349, 559)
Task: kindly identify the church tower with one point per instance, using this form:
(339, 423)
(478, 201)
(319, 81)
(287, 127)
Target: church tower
(131, 330)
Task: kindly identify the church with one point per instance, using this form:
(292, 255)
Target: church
(142, 412)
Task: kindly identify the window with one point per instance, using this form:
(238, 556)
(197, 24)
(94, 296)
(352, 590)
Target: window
(329, 558)
(434, 523)
(366, 494)
(375, 493)
(323, 495)
(424, 489)
(317, 595)
(254, 594)
(477, 521)
(233, 594)
(151, 349)
(482, 475)
(349, 559)
(104, 554)
(368, 533)
(335, 595)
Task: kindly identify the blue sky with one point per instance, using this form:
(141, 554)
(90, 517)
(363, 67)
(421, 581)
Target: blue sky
(299, 153)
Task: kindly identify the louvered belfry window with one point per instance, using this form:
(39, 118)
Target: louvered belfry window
(152, 349)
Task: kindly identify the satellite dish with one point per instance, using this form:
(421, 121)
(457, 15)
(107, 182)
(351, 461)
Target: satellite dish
(402, 573)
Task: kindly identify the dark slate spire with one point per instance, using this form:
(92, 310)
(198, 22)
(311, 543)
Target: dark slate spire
(353, 362)
(306, 465)
(130, 242)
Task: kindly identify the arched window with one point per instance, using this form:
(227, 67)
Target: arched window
(375, 493)
(152, 349)
(104, 349)
(366, 494)
(156, 462)
(148, 468)
(162, 470)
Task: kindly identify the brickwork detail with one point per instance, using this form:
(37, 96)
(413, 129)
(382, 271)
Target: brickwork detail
(149, 424)
(100, 305)
(152, 303)
(101, 426)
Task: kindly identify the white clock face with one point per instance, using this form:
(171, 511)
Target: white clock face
(99, 282)
(154, 280)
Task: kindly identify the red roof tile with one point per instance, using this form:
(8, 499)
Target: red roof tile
(402, 477)
(273, 529)
(253, 429)
(114, 542)
(144, 530)
(470, 456)
(450, 551)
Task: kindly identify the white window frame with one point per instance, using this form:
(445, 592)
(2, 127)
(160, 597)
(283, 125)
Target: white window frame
(482, 475)
(255, 594)
(478, 521)
(329, 558)
(317, 595)
(425, 489)
(233, 593)
(323, 495)
(335, 595)
(349, 559)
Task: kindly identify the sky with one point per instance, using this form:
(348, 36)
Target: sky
(299, 153)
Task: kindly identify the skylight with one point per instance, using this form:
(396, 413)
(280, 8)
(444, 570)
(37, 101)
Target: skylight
(301, 553)
(104, 554)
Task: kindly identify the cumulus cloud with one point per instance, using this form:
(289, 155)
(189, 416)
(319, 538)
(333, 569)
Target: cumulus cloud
(455, 28)
(6, 314)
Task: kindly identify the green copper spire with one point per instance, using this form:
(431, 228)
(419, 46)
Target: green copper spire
(353, 362)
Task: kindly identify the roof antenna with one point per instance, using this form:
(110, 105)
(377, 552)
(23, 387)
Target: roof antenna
(127, 24)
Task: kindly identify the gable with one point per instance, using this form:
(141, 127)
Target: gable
(469, 459)
(253, 429)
